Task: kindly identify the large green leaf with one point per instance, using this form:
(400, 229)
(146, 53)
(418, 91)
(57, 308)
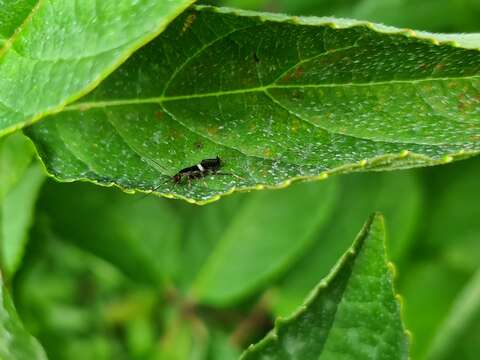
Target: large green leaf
(352, 314)
(15, 342)
(54, 51)
(277, 98)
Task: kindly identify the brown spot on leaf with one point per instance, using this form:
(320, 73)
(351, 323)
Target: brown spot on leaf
(299, 72)
(212, 130)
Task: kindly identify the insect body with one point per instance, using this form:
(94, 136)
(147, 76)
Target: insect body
(202, 169)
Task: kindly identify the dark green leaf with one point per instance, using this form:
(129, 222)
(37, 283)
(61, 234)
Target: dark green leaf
(277, 98)
(52, 52)
(352, 314)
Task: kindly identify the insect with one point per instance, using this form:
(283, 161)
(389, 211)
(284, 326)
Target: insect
(202, 169)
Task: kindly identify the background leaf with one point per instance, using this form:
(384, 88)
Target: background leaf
(397, 195)
(443, 257)
(16, 216)
(276, 98)
(460, 324)
(262, 241)
(429, 15)
(52, 52)
(16, 154)
(140, 236)
(20, 182)
(340, 320)
(80, 301)
(15, 342)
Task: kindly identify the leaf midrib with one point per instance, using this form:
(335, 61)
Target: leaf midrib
(9, 42)
(161, 99)
(262, 89)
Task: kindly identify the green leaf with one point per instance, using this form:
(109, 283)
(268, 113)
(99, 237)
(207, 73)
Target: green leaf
(428, 285)
(15, 342)
(16, 154)
(277, 98)
(462, 316)
(352, 314)
(140, 236)
(262, 241)
(430, 15)
(80, 300)
(454, 191)
(16, 217)
(204, 228)
(397, 195)
(183, 340)
(20, 182)
(52, 52)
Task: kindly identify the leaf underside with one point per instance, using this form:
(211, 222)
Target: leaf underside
(356, 299)
(276, 98)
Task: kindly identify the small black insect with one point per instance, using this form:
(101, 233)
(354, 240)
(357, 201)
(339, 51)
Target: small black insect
(202, 169)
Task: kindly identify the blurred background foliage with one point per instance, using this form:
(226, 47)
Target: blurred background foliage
(107, 275)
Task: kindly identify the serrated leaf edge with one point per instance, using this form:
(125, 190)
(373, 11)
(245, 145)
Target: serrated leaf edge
(349, 255)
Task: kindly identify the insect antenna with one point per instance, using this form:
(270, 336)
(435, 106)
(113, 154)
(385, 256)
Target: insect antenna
(158, 166)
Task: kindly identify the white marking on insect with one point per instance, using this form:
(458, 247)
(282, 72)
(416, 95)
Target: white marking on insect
(200, 167)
